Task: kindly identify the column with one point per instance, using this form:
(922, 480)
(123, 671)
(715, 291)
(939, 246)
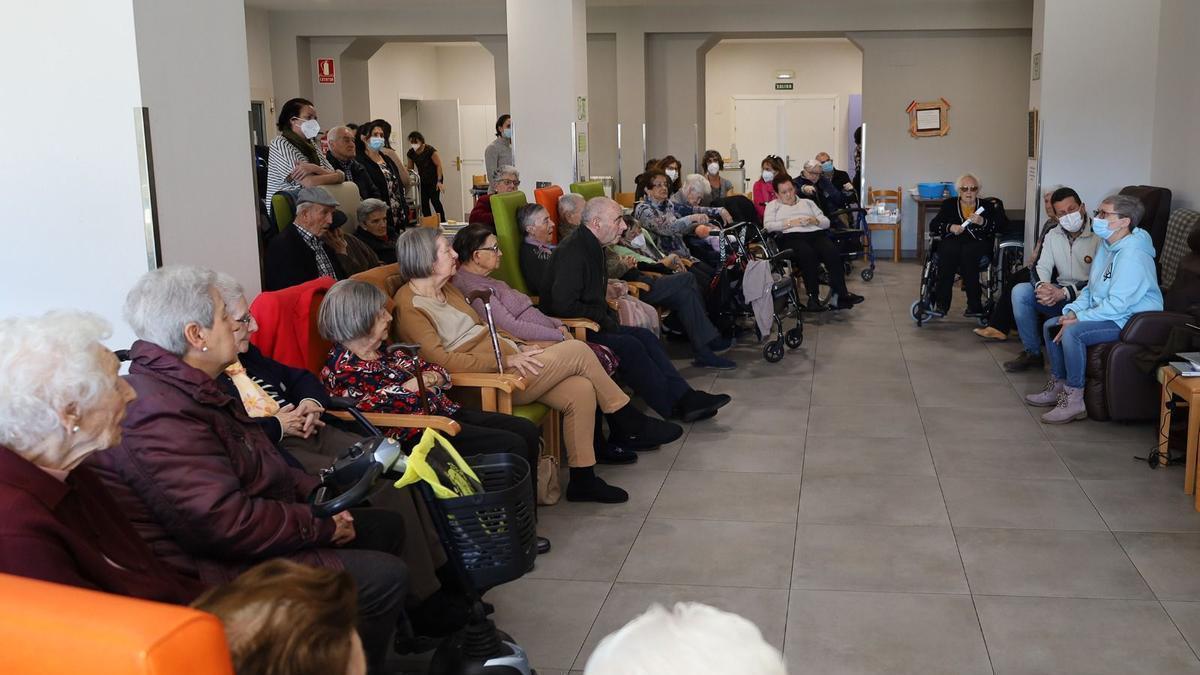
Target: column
(631, 101)
(547, 66)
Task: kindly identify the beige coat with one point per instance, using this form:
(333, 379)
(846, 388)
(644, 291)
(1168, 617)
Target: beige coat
(1072, 259)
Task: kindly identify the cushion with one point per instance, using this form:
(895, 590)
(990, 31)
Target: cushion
(589, 189)
(508, 236)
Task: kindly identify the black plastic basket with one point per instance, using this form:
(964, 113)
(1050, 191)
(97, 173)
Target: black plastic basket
(492, 535)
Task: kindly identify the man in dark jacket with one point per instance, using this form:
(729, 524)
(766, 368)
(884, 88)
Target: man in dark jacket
(838, 178)
(300, 253)
(341, 156)
(577, 285)
(814, 185)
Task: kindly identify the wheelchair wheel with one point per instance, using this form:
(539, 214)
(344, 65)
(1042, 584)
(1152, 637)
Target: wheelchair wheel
(794, 338)
(773, 351)
(919, 313)
(867, 274)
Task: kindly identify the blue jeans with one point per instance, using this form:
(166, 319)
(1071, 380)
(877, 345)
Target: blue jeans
(1068, 359)
(1028, 312)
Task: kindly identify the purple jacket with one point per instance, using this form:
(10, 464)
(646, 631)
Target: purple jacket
(201, 482)
(512, 310)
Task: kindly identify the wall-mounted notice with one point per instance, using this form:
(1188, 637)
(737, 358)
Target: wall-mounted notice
(325, 71)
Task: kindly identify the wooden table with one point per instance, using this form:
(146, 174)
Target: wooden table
(1188, 389)
(923, 219)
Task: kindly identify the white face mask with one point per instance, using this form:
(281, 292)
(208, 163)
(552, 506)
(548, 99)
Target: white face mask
(672, 174)
(768, 176)
(310, 128)
(1071, 222)
(639, 241)
(415, 146)
(713, 168)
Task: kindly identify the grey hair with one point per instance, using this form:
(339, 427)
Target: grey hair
(504, 171)
(570, 203)
(416, 252)
(526, 214)
(812, 165)
(48, 363)
(349, 309)
(695, 184)
(596, 206)
(339, 131)
(1127, 207)
(368, 206)
(229, 289)
(978, 183)
(305, 206)
(164, 301)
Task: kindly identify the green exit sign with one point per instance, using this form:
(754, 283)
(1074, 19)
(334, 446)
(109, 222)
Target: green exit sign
(784, 86)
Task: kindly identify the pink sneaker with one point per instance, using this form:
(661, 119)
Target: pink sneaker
(1048, 396)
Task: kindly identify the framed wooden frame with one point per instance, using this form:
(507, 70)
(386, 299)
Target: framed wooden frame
(928, 118)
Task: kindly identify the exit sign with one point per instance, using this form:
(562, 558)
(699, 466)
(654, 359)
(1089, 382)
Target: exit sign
(784, 86)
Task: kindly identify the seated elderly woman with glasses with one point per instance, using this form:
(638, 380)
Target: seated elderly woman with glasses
(505, 179)
(203, 484)
(61, 401)
(565, 376)
(966, 238)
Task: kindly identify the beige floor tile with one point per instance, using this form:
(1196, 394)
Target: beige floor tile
(585, 548)
(1167, 560)
(1019, 504)
(865, 421)
(714, 495)
(747, 452)
(996, 458)
(877, 558)
(831, 455)
(549, 618)
(872, 500)
(711, 553)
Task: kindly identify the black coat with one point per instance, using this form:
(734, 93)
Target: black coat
(828, 197)
(281, 381)
(577, 282)
(994, 218)
(384, 249)
(290, 261)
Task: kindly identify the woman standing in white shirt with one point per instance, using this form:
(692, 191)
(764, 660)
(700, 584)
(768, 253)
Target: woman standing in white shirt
(800, 225)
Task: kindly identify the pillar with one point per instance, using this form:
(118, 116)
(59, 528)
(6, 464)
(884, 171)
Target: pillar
(547, 65)
(631, 101)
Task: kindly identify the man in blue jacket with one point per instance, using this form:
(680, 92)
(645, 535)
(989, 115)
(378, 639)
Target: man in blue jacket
(1122, 282)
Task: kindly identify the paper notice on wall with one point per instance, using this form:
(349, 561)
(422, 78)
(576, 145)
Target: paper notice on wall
(929, 119)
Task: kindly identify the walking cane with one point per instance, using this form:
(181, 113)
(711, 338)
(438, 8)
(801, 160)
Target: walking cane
(411, 350)
(485, 295)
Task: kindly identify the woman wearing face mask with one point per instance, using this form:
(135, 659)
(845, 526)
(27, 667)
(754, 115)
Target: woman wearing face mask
(500, 151)
(428, 164)
(720, 187)
(383, 174)
(294, 160)
(671, 167)
(1122, 282)
(764, 190)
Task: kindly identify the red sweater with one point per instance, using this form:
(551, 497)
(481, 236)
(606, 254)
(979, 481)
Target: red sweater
(482, 213)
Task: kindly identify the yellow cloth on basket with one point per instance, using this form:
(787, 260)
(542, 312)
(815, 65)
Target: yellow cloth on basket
(436, 462)
(255, 399)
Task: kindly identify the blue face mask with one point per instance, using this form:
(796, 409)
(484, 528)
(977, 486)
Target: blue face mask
(507, 133)
(827, 166)
(1101, 228)
(375, 143)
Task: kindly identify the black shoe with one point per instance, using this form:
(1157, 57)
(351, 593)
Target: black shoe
(614, 454)
(1024, 361)
(698, 405)
(654, 432)
(815, 305)
(438, 615)
(415, 644)
(594, 489)
(972, 312)
(849, 300)
(707, 359)
(543, 546)
(721, 344)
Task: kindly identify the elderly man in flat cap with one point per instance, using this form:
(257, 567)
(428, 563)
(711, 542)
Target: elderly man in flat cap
(302, 251)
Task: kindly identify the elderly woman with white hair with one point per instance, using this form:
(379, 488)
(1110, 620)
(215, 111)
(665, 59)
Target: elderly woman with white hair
(671, 219)
(372, 230)
(61, 401)
(565, 376)
(966, 225)
(504, 179)
(203, 484)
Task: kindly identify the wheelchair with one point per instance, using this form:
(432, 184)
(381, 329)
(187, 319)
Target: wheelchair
(1006, 258)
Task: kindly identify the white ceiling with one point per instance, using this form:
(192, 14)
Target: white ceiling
(400, 5)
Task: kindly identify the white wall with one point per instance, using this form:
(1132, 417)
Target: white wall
(673, 95)
(258, 53)
(742, 67)
(1177, 104)
(984, 76)
(466, 71)
(602, 107)
(425, 71)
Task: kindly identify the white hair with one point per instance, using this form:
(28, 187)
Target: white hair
(811, 165)
(48, 363)
(570, 203)
(164, 301)
(695, 184)
(229, 289)
(959, 181)
(691, 639)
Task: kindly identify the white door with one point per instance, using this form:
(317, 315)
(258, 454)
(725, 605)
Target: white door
(794, 128)
(477, 124)
(439, 121)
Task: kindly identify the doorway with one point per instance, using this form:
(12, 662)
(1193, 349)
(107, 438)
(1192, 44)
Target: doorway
(794, 127)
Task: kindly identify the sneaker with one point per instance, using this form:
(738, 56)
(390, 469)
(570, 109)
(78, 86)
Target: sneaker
(990, 333)
(1068, 408)
(1024, 361)
(720, 345)
(594, 489)
(849, 300)
(1048, 396)
(714, 362)
(614, 454)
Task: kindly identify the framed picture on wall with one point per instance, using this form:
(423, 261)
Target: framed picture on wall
(928, 118)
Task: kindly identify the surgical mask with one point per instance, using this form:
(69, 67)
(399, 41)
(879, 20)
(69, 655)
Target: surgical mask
(713, 168)
(1071, 222)
(507, 133)
(827, 166)
(672, 174)
(768, 176)
(375, 143)
(310, 128)
(639, 241)
(415, 146)
(1101, 228)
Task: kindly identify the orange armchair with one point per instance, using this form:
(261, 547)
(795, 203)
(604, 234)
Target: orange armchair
(50, 629)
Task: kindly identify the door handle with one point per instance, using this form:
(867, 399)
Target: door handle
(457, 163)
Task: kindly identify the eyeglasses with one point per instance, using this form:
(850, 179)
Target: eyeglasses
(655, 186)
(1101, 213)
(245, 320)
(969, 188)
(493, 249)
(510, 181)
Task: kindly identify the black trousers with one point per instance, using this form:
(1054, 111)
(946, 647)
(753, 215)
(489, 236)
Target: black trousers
(809, 251)
(645, 366)
(1002, 314)
(431, 198)
(740, 207)
(681, 294)
(488, 432)
(373, 560)
(960, 255)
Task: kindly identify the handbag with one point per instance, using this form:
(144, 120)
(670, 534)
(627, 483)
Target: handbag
(607, 357)
(633, 312)
(549, 487)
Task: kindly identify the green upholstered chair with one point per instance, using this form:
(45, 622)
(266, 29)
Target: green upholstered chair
(282, 210)
(588, 189)
(508, 236)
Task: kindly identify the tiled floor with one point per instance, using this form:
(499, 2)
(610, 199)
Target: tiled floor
(882, 502)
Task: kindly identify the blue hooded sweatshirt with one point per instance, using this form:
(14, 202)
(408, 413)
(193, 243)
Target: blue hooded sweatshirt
(1122, 282)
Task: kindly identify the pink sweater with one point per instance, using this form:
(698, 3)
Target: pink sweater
(763, 193)
(512, 310)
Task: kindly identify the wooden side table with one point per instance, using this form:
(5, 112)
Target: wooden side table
(923, 220)
(1187, 388)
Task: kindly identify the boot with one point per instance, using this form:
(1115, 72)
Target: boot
(1048, 396)
(1024, 361)
(586, 486)
(633, 429)
(1070, 407)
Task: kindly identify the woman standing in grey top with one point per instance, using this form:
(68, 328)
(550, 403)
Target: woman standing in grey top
(499, 152)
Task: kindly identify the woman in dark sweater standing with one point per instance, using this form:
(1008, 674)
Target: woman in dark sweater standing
(429, 167)
(966, 237)
(383, 173)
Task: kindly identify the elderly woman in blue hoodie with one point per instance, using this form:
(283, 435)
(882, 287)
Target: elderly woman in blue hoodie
(1122, 283)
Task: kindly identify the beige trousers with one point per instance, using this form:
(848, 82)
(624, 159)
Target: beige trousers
(573, 382)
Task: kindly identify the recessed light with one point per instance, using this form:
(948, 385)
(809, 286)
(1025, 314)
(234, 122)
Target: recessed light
(785, 74)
